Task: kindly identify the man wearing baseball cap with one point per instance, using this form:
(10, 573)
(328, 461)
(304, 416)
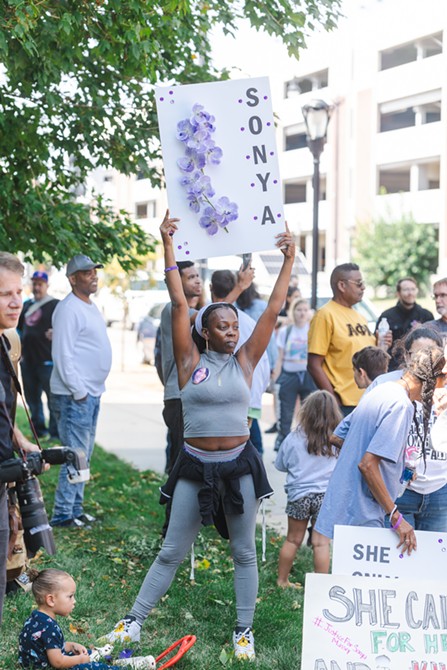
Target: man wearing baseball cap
(82, 358)
(36, 363)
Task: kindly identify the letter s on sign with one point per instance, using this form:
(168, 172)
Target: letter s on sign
(254, 100)
(358, 552)
(337, 593)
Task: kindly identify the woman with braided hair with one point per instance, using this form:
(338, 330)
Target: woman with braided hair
(365, 482)
(219, 476)
(424, 500)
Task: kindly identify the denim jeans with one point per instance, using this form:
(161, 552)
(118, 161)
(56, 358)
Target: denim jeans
(291, 385)
(76, 421)
(424, 512)
(36, 379)
(256, 436)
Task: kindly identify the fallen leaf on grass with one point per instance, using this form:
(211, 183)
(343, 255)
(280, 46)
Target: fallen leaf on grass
(223, 657)
(204, 564)
(76, 630)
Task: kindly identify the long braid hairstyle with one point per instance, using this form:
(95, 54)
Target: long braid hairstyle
(426, 366)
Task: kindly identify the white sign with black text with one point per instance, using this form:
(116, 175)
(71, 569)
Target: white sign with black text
(372, 552)
(221, 166)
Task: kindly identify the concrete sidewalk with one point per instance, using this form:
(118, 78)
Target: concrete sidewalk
(131, 425)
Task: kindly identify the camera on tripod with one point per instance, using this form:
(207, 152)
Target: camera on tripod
(37, 531)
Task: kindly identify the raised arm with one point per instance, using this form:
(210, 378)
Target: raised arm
(185, 351)
(249, 354)
(244, 281)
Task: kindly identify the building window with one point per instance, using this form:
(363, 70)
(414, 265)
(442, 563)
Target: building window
(140, 175)
(431, 45)
(306, 84)
(108, 178)
(396, 120)
(395, 115)
(322, 188)
(395, 180)
(146, 210)
(423, 47)
(294, 138)
(396, 56)
(294, 192)
(428, 176)
(431, 113)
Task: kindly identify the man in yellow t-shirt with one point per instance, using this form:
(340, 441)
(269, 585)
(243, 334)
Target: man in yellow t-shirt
(338, 331)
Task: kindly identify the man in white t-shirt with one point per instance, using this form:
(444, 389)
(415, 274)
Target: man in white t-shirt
(82, 358)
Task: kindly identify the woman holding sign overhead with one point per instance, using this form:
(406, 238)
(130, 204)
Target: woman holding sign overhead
(219, 477)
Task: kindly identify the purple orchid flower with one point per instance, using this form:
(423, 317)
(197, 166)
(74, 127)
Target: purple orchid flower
(201, 150)
(186, 164)
(214, 155)
(200, 141)
(195, 203)
(184, 130)
(199, 159)
(200, 116)
(228, 211)
(211, 221)
(201, 186)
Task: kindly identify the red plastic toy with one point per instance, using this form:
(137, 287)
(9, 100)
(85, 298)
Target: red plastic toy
(184, 644)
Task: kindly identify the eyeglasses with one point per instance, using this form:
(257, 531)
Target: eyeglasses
(360, 283)
(435, 296)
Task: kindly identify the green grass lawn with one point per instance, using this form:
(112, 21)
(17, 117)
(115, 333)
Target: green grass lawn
(109, 562)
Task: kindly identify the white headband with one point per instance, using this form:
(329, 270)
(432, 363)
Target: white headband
(200, 313)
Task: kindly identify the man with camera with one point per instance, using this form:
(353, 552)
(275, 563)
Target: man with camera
(82, 358)
(11, 273)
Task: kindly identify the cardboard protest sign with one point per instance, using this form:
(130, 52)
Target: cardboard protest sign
(221, 167)
(374, 624)
(372, 552)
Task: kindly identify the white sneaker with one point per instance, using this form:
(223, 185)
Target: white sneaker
(137, 663)
(126, 630)
(244, 645)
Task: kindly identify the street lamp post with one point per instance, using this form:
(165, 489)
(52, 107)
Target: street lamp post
(316, 116)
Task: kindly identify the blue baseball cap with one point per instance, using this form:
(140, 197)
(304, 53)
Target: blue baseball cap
(39, 274)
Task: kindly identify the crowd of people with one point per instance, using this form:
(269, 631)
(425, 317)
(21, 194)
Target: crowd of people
(352, 437)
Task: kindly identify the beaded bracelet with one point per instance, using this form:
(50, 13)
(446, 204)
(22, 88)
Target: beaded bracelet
(173, 267)
(398, 522)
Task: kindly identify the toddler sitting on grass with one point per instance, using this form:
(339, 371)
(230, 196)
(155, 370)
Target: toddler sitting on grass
(41, 641)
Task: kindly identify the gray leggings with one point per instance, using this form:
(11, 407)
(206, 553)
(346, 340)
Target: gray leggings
(183, 529)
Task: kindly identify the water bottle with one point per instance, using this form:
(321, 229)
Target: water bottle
(406, 478)
(382, 330)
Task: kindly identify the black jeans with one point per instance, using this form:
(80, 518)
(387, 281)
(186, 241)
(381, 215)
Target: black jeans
(4, 539)
(173, 418)
(291, 385)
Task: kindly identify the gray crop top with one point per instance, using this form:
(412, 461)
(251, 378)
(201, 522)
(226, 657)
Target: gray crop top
(216, 398)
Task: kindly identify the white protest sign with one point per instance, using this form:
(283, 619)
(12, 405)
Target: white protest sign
(221, 167)
(372, 552)
(374, 624)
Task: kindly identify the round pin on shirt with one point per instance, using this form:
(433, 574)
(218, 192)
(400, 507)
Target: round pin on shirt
(200, 375)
